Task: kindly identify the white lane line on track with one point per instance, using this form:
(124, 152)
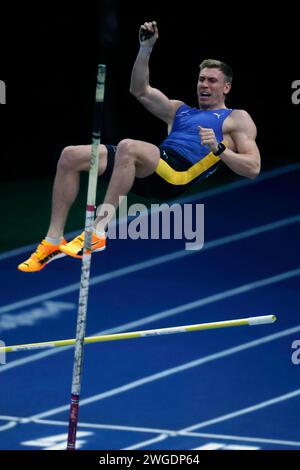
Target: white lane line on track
(169, 372)
(113, 427)
(165, 314)
(153, 262)
(242, 438)
(143, 444)
(169, 432)
(204, 195)
(7, 426)
(243, 411)
(226, 417)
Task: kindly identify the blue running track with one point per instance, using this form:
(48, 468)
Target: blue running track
(223, 389)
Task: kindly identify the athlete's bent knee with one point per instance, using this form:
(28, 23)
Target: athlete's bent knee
(67, 158)
(102, 159)
(126, 151)
(126, 146)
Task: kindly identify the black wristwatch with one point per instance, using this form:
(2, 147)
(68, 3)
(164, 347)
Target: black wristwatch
(221, 148)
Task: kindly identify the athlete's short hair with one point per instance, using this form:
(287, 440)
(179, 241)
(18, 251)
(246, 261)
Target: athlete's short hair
(217, 64)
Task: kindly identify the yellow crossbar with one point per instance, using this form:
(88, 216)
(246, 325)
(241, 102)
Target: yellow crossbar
(143, 334)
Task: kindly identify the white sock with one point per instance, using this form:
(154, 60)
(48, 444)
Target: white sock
(99, 234)
(54, 241)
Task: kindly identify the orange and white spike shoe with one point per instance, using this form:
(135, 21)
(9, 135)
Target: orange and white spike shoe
(44, 254)
(75, 247)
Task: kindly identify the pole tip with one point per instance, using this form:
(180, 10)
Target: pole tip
(262, 320)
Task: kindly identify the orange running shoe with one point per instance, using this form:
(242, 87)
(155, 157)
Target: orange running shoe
(75, 247)
(44, 254)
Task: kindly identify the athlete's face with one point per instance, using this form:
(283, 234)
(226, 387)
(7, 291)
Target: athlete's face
(211, 88)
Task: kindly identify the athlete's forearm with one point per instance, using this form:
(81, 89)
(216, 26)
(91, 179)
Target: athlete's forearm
(241, 163)
(140, 71)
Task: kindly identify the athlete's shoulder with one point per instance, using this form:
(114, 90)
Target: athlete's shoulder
(238, 114)
(241, 121)
(179, 105)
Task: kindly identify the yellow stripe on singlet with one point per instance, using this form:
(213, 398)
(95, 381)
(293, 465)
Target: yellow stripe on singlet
(178, 178)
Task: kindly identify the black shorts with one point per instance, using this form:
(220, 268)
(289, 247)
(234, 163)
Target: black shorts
(154, 186)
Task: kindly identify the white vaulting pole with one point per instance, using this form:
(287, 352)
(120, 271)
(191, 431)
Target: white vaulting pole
(86, 260)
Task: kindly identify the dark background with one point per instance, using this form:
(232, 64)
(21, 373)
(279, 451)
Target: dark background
(49, 57)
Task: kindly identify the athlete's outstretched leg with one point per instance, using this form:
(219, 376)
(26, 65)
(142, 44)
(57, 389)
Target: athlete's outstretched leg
(72, 161)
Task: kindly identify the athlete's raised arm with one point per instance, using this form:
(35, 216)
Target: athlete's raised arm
(154, 100)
